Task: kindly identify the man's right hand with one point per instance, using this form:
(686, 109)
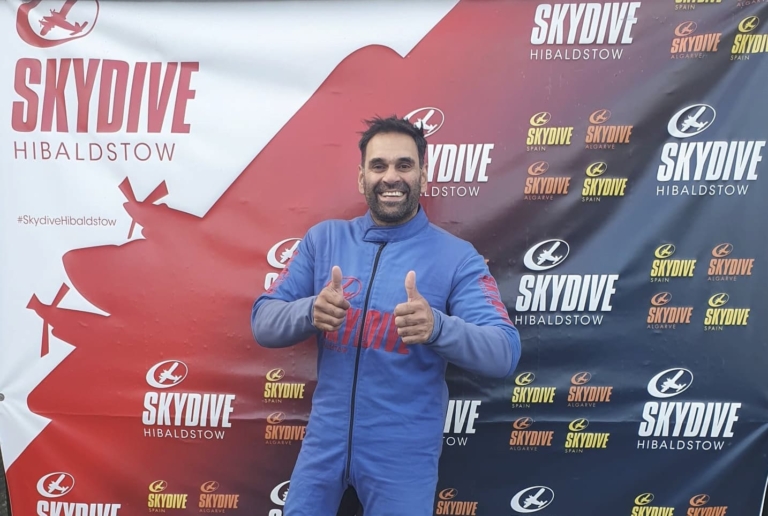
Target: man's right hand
(330, 308)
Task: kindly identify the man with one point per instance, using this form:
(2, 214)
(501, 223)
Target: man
(391, 299)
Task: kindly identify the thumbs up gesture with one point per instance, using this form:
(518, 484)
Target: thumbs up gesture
(330, 307)
(414, 318)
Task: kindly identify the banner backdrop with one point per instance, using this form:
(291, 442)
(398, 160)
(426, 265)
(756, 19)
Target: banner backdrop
(161, 161)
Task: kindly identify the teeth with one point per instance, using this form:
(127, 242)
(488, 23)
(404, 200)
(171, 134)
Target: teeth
(392, 194)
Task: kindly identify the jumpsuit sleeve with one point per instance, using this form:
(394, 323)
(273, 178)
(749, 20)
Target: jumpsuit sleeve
(282, 316)
(476, 334)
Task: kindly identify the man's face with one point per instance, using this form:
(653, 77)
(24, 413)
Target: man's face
(391, 178)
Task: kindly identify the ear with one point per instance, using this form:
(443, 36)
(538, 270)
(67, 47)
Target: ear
(423, 177)
(360, 180)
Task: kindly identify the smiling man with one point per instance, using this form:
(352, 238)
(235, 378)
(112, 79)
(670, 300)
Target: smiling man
(391, 299)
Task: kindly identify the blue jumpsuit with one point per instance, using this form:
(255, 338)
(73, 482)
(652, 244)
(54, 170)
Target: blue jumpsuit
(379, 407)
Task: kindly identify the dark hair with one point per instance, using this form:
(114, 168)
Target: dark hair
(393, 124)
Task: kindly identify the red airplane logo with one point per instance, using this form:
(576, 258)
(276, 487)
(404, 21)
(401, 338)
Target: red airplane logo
(59, 19)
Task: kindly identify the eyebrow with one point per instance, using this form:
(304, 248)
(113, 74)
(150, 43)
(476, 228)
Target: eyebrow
(377, 161)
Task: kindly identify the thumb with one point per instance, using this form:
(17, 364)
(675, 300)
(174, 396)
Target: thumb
(336, 278)
(410, 286)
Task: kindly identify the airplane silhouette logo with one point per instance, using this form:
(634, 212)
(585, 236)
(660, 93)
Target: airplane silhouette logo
(670, 382)
(47, 23)
(429, 119)
(532, 499)
(691, 120)
(685, 29)
(581, 378)
(55, 485)
(546, 255)
(167, 374)
(600, 116)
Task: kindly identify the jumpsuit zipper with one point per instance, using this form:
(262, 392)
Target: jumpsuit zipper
(357, 361)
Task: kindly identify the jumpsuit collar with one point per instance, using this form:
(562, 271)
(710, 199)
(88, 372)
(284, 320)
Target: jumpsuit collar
(375, 233)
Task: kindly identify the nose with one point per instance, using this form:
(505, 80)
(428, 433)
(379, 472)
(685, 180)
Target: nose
(391, 176)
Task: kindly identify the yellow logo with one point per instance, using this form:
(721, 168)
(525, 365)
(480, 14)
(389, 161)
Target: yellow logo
(541, 118)
(597, 169)
(644, 499)
(664, 251)
(524, 379)
(448, 494)
(718, 300)
(275, 375)
(699, 500)
(722, 250)
(275, 418)
(538, 168)
(209, 487)
(158, 486)
(600, 116)
(577, 425)
(749, 24)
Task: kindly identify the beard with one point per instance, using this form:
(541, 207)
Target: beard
(396, 212)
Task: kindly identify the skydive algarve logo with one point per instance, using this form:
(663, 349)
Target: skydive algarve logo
(532, 499)
(746, 42)
(723, 267)
(544, 188)
(278, 433)
(688, 44)
(447, 504)
(570, 299)
(212, 501)
(59, 484)
(698, 503)
(464, 165)
(705, 168)
(663, 317)
(49, 23)
(582, 31)
(525, 437)
(581, 395)
(605, 137)
(683, 425)
(643, 507)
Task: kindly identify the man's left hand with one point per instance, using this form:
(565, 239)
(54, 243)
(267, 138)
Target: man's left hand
(414, 318)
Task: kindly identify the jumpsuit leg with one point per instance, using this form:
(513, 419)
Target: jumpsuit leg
(317, 482)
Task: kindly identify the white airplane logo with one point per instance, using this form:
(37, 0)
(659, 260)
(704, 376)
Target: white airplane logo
(166, 374)
(534, 499)
(288, 252)
(547, 256)
(56, 486)
(693, 120)
(422, 122)
(671, 383)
